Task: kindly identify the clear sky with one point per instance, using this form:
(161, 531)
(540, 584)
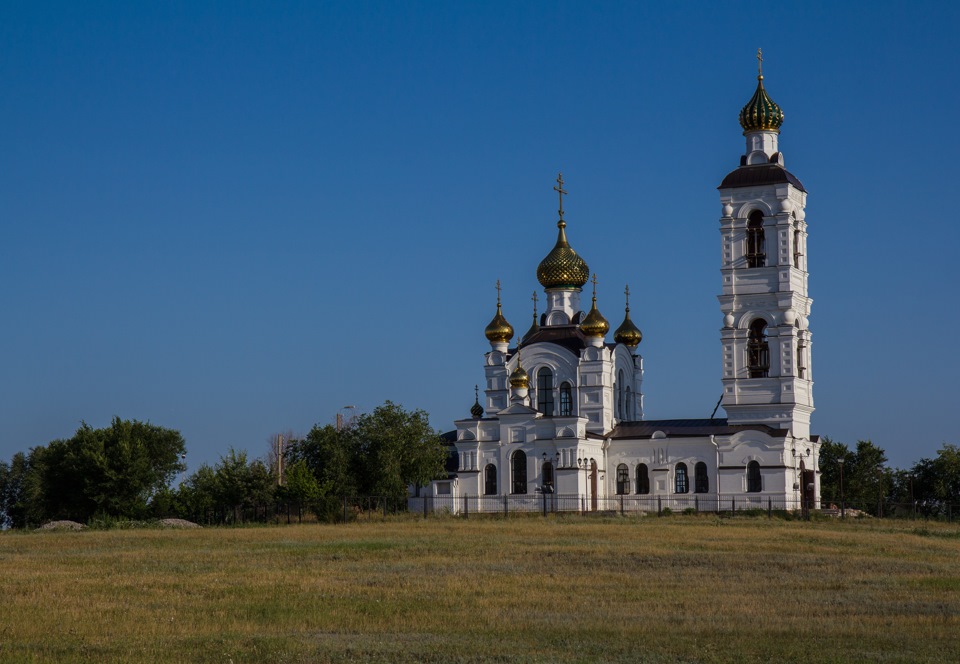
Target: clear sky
(235, 218)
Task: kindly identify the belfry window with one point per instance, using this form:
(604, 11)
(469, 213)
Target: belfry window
(801, 365)
(797, 252)
(758, 351)
(490, 480)
(754, 483)
(566, 400)
(701, 483)
(623, 479)
(756, 246)
(545, 391)
(519, 460)
(643, 479)
(681, 482)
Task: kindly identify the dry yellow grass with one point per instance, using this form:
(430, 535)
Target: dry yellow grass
(696, 589)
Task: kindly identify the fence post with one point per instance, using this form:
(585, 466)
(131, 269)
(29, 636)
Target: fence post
(424, 499)
(542, 493)
(696, 504)
(621, 504)
(504, 504)
(344, 508)
(659, 506)
(733, 506)
(769, 507)
(466, 507)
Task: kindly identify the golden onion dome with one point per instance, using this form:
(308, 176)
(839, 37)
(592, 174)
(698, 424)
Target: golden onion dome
(519, 378)
(499, 330)
(628, 334)
(761, 113)
(594, 324)
(562, 267)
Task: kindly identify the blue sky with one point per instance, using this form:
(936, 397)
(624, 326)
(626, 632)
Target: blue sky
(234, 218)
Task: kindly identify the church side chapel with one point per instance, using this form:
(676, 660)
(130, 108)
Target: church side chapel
(561, 426)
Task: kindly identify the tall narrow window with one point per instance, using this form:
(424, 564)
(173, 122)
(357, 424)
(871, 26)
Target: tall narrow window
(623, 479)
(801, 365)
(548, 477)
(701, 484)
(754, 483)
(643, 479)
(490, 480)
(758, 352)
(545, 391)
(756, 247)
(519, 472)
(681, 483)
(628, 409)
(620, 395)
(566, 400)
(797, 251)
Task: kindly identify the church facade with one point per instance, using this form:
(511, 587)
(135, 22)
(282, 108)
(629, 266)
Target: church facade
(560, 424)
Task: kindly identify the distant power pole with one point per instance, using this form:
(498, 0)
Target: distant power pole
(279, 459)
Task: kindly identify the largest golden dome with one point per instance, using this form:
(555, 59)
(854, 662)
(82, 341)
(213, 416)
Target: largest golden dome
(562, 267)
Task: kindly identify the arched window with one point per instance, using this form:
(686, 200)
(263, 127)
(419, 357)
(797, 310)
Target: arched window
(623, 479)
(548, 477)
(643, 479)
(756, 248)
(797, 251)
(754, 483)
(519, 472)
(701, 484)
(681, 484)
(545, 391)
(490, 480)
(566, 400)
(628, 409)
(758, 352)
(620, 394)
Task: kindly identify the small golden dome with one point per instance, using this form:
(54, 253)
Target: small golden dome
(628, 334)
(562, 267)
(519, 378)
(499, 330)
(594, 325)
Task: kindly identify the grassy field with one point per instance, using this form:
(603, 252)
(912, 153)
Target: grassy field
(677, 589)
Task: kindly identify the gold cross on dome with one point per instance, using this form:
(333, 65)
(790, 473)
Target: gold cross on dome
(626, 291)
(561, 191)
(498, 292)
(760, 61)
(534, 298)
(594, 280)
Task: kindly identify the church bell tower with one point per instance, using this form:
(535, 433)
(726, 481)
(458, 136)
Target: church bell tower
(766, 337)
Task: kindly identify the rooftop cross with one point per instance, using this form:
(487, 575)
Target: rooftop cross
(760, 62)
(534, 298)
(498, 292)
(626, 291)
(594, 280)
(560, 191)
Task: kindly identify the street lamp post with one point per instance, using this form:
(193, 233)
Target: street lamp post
(798, 484)
(340, 416)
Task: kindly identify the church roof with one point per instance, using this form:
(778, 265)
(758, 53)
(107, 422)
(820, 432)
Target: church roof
(753, 176)
(687, 428)
(570, 337)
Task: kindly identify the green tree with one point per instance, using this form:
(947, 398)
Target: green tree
(115, 470)
(18, 492)
(396, 448)
(330, 455)
(831, 453)
(869, 479)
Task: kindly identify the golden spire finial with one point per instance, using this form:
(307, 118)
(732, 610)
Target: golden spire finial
(498, 293)
(626, 291)
(594, 280)
(560, 192)
(760, 64)
(476, 393)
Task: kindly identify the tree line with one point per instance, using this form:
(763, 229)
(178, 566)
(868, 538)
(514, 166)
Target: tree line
(860, 478)
(126, 471)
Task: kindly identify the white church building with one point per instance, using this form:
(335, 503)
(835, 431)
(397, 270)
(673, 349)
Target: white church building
(560, 425)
